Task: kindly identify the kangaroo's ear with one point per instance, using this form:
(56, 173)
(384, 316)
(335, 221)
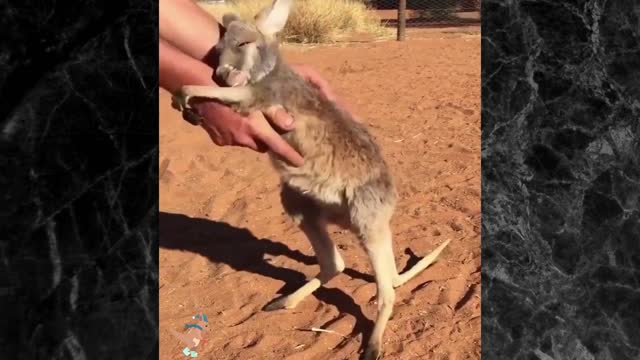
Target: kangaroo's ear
(272, 19)
(228, 19)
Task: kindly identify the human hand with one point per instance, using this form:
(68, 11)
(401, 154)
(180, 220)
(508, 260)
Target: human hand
(226, 127)
(311, 75)
(256, 131)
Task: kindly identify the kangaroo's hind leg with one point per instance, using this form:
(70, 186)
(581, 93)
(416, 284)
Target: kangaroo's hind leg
(378, 244)
(371, 208)
(312, 222)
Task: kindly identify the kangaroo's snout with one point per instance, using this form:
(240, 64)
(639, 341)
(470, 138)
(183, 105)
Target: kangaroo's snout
(232, 76)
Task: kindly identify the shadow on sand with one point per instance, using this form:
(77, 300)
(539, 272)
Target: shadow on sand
(240, 249)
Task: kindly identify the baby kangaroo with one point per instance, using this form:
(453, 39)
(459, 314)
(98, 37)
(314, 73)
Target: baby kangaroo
(344, 179)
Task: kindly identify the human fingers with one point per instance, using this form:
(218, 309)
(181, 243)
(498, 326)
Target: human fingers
(277, 115)
(263, 132)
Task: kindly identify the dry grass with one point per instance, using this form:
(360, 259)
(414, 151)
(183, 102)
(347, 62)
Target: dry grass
(312, 21)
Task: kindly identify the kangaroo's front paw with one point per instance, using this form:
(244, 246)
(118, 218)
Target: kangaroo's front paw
(180, 101)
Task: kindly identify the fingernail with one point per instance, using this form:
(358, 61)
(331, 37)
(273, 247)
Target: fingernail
(288, 119)
(289, 122)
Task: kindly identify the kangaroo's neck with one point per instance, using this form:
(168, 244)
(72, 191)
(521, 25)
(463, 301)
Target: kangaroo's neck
(280, 67)
(279, 71)
(271, 62)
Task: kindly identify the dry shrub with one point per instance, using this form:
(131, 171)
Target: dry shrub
(312, 21)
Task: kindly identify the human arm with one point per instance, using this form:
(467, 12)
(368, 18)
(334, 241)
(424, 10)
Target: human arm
(186, 26)
(225, 126)
(195, 32)
(187, 57)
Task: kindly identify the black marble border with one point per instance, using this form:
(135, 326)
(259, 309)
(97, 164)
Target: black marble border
(561, 179)
(78, 180)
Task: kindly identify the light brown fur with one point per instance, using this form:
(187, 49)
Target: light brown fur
(344, 180)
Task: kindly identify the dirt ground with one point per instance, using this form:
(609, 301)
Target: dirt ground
(226, 249)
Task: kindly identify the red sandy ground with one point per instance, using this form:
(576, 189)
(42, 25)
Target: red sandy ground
(227, 250)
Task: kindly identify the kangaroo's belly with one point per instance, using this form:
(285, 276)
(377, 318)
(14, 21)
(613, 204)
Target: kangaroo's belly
(337, 161)
(327, 191)
(328, 194)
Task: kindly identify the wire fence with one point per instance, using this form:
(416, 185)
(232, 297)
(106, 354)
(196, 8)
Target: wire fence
(403, 14)
(426, 13)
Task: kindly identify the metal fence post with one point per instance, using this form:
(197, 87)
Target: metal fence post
(402, 19)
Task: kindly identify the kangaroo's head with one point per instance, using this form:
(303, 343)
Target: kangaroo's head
(250, 51)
